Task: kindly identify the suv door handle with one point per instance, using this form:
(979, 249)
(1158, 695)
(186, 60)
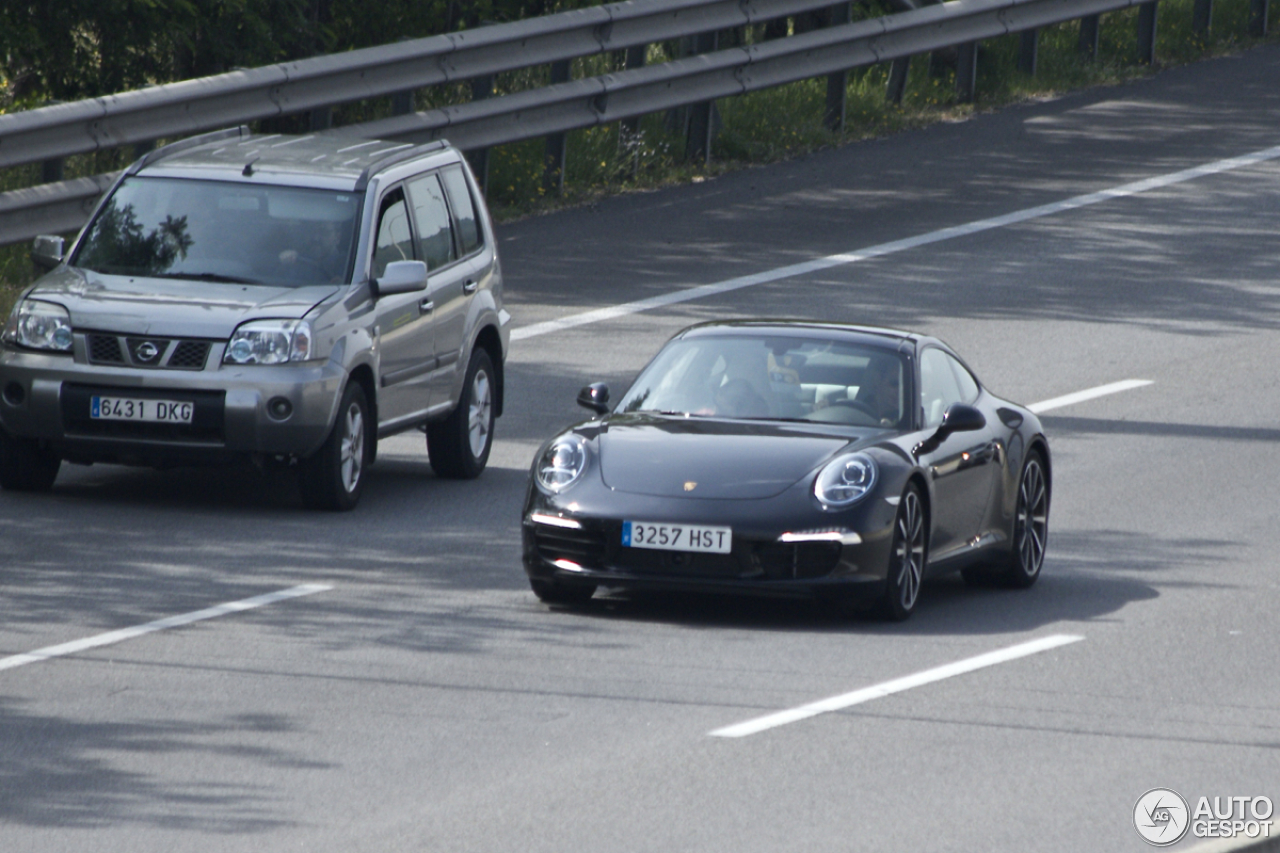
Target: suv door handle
(469, 287)
(426, 306)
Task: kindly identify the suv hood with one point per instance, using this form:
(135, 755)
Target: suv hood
(171, 307)
(654, 455)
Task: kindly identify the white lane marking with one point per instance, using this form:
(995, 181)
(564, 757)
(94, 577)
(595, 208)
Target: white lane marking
(1088, 394)
(159, 625)
(689, 294)
(897, 685)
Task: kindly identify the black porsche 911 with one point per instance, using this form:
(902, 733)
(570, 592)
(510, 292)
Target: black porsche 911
(795, 459)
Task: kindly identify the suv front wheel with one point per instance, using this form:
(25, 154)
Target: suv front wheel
(459, 445)
(333, 477)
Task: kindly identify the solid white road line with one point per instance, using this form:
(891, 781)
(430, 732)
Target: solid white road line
(866, 694)
(1088, 394)
(793, 270)
(159, 625)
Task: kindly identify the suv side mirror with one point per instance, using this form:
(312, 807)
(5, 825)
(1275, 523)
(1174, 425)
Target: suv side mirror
(402, 277)
(595, 397)
(47, 251)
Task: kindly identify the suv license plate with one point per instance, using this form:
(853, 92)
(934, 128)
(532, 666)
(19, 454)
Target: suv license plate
(677, 537)
(153, 411)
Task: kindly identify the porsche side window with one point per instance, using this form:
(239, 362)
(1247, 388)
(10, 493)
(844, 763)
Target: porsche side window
(964, 379)
(938, 386)
(435, 235)
(395, 236)
(464, 212)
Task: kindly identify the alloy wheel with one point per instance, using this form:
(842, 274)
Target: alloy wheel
(1032, 520)
(908, 554)
(480, 414)
(351, 454)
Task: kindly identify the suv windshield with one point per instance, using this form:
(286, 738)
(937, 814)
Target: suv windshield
(778, 378)
(222, 231)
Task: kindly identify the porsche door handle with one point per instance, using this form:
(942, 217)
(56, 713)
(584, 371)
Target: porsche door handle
(470, 286)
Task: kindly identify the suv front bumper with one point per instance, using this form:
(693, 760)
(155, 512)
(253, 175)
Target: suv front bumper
(45, 396)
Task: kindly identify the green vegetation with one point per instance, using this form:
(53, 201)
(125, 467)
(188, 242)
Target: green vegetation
(758, 128)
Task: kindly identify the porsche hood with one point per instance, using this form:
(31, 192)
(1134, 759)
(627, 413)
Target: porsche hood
(697, 458)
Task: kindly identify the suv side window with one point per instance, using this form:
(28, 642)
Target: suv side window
(395, 235)
(435, 234)
(938, 386)
(464, 212)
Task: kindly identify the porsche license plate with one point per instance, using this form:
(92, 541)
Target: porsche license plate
(151, 411)
(677, 537)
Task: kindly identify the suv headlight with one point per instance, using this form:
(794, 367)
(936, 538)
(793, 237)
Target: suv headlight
(39, 325)
(562, 463)
(269, 342)
(845, 480)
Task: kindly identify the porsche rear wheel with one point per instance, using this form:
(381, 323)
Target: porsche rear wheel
(906, 558)
(1030, 525)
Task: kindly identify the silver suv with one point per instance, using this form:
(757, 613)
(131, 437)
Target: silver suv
(279, 299)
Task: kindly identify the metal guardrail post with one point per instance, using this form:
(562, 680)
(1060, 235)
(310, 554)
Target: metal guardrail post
(1258, 11)
(1201, 17)
(698, 141)
(481, 89)
(837, 83)
(553, 162)
(635, 59)
(1090, 33)
(967, 72)
(51, 170)
(1028, 51)
(321, 119)
(1147, 14)
(897, 80)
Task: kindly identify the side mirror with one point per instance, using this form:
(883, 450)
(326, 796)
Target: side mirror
(402, 277)
(595, 397)
(47, 251)
(961, 418)
(958, 417)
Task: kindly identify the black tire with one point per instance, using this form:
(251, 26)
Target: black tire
(907, 558)
(459, 445)
(25, 466)
(1030, 525)
(574, 595)
(334, 476)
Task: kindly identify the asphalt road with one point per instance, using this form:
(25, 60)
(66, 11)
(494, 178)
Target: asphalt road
(426, 701)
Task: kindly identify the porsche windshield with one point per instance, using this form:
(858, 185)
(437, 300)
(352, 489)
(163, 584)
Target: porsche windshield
(774, 378)
(222, 231)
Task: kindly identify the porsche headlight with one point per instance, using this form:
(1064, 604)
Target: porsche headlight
(39, 325)
(562, 463)
(269, 342)
(845, 480)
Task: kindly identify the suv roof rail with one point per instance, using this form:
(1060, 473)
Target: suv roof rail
(397, 157)
(184, 144)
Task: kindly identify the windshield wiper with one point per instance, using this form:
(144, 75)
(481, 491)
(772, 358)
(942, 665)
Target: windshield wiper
(207, 276)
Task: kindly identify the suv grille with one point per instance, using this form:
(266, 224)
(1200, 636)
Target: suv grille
(148, 352)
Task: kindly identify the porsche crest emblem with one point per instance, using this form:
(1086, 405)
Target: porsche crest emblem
(690, 485)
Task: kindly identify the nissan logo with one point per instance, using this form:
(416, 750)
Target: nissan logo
(147, 351)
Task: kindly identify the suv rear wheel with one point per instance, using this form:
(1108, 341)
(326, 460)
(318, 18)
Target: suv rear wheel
(459, 445)
(334, 476)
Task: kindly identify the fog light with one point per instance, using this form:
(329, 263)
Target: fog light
(14, 394)
(279, 408)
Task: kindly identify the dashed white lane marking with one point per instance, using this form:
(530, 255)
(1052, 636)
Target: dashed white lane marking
(159, 625)
(1088, 394)
(1074, 203)
(897, 685)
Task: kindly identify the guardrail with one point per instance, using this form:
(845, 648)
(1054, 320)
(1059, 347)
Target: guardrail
(228, 99)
